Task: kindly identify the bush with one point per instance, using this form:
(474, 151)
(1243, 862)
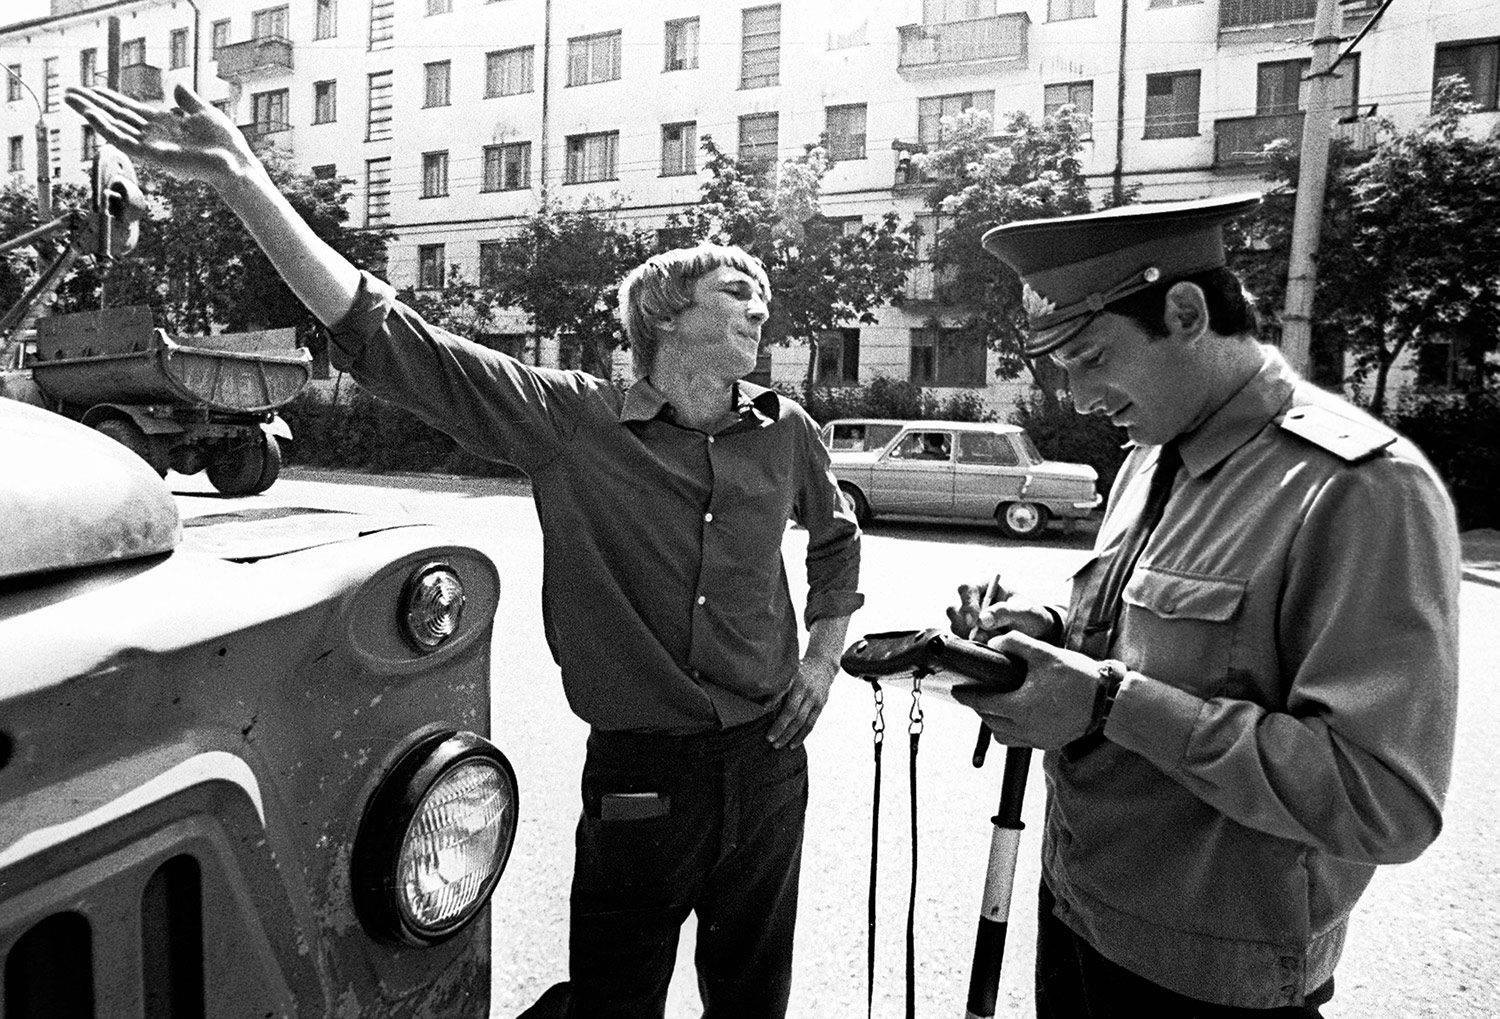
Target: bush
(1061, 433)
(366, 433)
(1461, 436)
(887, 398)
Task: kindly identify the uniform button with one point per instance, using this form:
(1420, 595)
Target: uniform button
(696, 674)
(710, 438)
(708, 518)
(701, 599)
(1168, 607)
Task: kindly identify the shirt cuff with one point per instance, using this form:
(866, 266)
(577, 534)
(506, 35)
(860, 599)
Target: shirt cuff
(1153, 719)
(365, 317)
(831, 603)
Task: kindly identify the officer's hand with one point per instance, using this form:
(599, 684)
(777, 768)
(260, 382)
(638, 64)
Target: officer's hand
(804, 703)
(1003, 613)
(1052, 708)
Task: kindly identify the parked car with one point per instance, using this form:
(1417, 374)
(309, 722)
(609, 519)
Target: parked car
(245, 766)
(956, 469)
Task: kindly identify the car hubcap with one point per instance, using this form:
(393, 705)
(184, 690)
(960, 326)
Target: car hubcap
(1021, 516)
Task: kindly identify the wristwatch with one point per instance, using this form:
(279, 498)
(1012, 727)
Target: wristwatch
(1111, 675)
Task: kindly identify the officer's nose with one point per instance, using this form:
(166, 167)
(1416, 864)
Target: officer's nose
(1087, 398)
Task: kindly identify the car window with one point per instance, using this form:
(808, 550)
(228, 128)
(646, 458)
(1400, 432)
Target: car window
(986, 448)
(1034, 454)
(849, 437)
(924, 446)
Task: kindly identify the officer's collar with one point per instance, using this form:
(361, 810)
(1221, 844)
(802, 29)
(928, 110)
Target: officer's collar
(1240, 418)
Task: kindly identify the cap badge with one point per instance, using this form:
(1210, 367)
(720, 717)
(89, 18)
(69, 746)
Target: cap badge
(1035, 304)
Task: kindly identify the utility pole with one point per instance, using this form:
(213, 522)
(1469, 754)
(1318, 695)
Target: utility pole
(1312, 182)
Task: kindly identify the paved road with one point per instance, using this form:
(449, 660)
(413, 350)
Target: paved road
(1425, 942)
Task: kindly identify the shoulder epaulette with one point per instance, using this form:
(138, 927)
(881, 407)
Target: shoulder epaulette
(1346, 438)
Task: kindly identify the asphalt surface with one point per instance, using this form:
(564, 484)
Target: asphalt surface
(1425, 940)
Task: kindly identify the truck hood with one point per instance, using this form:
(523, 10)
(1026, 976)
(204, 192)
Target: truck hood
(71, 497)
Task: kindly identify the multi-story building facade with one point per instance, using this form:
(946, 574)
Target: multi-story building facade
(456, 117)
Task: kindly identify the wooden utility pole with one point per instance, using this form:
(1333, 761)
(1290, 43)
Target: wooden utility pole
(1312, 182)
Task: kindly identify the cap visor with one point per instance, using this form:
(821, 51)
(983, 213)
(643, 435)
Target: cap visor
(1045, 341)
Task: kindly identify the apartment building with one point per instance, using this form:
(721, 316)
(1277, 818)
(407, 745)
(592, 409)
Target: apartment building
(456, 117)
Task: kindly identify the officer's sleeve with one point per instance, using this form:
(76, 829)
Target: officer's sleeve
(833, 537)
(491, 404)
(1357, 762)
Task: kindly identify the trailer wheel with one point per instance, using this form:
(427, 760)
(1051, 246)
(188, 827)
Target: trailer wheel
(247, 468)
(129, 434)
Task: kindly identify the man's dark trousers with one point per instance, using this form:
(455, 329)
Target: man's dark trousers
(722, 836)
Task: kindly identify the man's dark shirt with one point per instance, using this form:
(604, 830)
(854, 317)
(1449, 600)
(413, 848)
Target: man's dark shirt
(664, 595)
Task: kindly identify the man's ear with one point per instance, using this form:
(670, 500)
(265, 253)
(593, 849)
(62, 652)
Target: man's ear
(1186, 312)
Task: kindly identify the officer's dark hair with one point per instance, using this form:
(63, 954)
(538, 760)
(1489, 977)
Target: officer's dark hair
(1230, 311)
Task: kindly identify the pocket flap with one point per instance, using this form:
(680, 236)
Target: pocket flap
(1172, 596)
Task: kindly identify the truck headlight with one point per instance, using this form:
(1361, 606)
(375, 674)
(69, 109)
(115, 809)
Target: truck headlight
(432, 604)
(435, 839)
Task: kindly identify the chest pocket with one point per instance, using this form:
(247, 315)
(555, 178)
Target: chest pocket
(1181, 628)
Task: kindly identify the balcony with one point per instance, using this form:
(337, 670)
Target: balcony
(254, 58)
(141, 81)
(1241, 141)
(953, 47)
(266, 132)
(1249, 20)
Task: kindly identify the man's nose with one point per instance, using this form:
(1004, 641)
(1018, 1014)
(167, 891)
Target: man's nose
(757, 309)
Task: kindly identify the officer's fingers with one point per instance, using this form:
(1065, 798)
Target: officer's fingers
(1014, 642)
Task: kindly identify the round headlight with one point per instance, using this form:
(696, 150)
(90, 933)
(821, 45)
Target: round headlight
(435, 839)
(431, 606)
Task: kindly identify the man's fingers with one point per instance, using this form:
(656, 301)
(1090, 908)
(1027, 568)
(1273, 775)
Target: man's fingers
(121, 108)
(188, 100)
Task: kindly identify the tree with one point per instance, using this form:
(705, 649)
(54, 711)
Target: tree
(822, 274)
(563, 269)
(459, 306)
(980, 179)
(1409, 259)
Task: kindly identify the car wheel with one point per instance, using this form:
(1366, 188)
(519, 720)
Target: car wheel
(858, 503)
(246, 468)
(1021, 519)
(129, 435)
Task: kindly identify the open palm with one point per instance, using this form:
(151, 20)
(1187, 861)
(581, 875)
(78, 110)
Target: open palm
(191, 139)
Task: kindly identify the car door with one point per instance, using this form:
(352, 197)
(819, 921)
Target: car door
(989, 472)
(915, 475)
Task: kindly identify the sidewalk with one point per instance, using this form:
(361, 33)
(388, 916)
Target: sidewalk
(1481, 554)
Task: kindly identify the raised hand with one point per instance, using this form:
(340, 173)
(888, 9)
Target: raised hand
(191, 139)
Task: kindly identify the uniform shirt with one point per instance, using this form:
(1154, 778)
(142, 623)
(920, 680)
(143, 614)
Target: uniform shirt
(664, 595)
(1292, 627)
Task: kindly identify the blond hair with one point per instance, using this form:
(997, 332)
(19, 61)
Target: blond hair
(662, 286)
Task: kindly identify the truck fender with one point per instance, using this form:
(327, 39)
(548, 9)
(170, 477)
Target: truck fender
(277, 428)
(147, 423)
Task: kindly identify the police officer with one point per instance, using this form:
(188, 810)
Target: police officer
(1248, 703)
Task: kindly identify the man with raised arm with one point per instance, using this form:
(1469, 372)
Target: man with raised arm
(665, 599)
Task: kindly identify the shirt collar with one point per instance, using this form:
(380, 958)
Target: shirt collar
(755, 404)
(1241, 417)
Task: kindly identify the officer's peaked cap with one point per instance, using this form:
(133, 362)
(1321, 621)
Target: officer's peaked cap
(1072, 266)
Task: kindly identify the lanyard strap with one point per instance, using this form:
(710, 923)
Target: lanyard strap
(915, 732)
(879, 728)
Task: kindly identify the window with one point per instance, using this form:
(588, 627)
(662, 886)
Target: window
(1278, 87)
(325, 102)
(670, 238)
(846, 131)
(594, 58)
(845, 226)
(17, 153)
(325, 19)
(507, 167)
(933, 109)
(377, 191)
(1172, 104)
(986, 448)
(592, 157)
(378, 118)
(945, 357)
(382, 24)
(132, 51)
(437, 76)
(936, 446)
(269, 24)
(269, 111)
(54, 144)
(49, 84)
(219, 34)
(938, 12)
(490, 254)
(510, 344)
(434, 174)
(12, 83)
(679, 145)
(325, 171)
(1067, 10)
(88, 143)
(1077, 94)
(430, 258)
(439, 7)
(838, 357)
(758, 138)
(88, 66)
(682, 44)
(508, 72)
(760, 55)
(1477, 63)
(177, 49)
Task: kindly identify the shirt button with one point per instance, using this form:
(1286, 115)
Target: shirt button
(710, 438)
(701, 599)
(708, 518)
